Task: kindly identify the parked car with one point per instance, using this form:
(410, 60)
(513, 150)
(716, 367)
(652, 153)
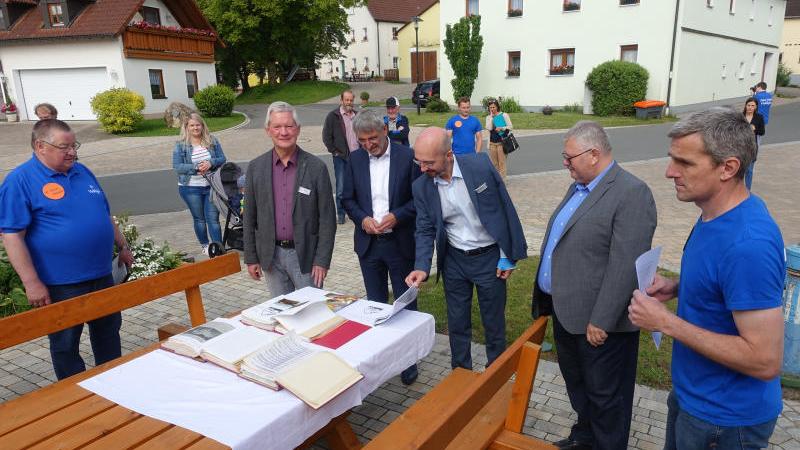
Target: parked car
(425, 90)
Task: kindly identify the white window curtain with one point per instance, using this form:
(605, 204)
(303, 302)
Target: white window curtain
(516, 4)
(473, 6)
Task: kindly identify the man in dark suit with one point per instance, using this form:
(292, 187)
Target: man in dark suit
(377, 197)
(463, 209)
(605, 221)
(289, 216)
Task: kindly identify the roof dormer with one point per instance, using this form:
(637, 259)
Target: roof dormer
(11, 10)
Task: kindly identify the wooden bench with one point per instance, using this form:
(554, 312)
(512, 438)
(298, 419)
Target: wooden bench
(472, 410)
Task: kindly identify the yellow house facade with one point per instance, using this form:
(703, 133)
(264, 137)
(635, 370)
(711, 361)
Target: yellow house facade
(431, 53)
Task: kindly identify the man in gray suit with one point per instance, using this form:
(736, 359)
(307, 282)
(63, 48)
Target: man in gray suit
(289, 215)
(605, 221)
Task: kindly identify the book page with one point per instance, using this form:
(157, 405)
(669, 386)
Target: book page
(319, 378)
(646, 267)
(232, 347)
(281, 353)
(404, 300)
(265, 313)
(190, 342)
(311, 316)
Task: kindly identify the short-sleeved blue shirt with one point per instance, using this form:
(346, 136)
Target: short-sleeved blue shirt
(734, 262)
(764, 100)
(66, 220)
(464, 133)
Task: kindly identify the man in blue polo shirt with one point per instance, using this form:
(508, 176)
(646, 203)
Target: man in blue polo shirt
(729, 328)
(60, 236)
(464, 130)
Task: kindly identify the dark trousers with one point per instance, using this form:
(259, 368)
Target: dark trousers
(600, 382)
(339, 166)
(103, 332)
(462, 273)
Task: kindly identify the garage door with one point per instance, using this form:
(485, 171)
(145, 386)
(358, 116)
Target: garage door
(69, 90)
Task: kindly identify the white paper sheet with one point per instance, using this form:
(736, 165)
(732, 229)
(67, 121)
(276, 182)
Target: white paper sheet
(243, 415)
(646, 267)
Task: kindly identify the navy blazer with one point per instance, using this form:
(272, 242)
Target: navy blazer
(357, 197)
(493, 204)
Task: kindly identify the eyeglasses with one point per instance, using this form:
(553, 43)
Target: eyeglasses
(372, 140)
(64, 148)
(423, 163)
(570, 158)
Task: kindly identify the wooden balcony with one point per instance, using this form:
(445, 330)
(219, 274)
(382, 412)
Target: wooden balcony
(169, 45)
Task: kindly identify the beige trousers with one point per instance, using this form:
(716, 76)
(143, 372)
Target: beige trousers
(498, 157)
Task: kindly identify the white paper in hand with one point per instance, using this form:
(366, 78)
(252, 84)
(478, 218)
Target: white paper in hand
(404, 300)
(646, 266)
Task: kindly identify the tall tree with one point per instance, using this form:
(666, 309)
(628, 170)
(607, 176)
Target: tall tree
(463, 44)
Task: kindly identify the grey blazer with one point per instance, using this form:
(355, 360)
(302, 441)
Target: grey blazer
(313, 213)
(593, 264)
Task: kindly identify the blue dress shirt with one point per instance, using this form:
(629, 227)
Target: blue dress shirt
(578, 196)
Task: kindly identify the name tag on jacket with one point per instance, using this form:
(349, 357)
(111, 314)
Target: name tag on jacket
(480, 188)
(304, 191)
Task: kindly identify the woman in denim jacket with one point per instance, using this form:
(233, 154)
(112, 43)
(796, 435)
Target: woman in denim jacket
(197, 154)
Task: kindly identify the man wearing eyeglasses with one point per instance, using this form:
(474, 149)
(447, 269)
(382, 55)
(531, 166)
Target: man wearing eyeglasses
(587, 271)
(377, 197)
(464, 210)
(60, 237)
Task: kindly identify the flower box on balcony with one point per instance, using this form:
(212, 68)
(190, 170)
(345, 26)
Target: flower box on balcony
(562, 70)
(514, 12)
(571, 6)
(514, 72)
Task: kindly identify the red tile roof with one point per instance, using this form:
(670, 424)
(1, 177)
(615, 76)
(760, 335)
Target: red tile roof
(397, 11)
(100, 18)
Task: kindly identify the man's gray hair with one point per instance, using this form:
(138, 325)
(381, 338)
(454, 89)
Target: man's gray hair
(367, 121)
(589, 134)
(279, 107)
(725, 133)
(43, 130)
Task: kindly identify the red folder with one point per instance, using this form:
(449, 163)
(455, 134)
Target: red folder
(341, 335)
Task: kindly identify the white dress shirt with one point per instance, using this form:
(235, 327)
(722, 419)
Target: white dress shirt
(461, 222)
(379, 184)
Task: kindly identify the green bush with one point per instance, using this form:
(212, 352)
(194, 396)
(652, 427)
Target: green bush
(215, 101)
(12, 292)
(616, 86)
(784, 75)
(436, 104)
(118, 110)
(576, 108)
(509, 105)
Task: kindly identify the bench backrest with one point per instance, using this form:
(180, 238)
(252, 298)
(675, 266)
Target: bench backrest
(42, 321)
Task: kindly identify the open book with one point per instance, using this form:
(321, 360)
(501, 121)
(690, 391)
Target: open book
(374, 313)
(263, 314)
(313, 321)
(224, 342)
(315, 377)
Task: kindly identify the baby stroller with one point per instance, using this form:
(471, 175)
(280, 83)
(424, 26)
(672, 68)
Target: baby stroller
(227, 199)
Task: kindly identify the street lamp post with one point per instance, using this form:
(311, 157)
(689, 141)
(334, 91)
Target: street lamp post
(417, 20)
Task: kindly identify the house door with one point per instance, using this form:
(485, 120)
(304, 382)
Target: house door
(69, 90)
(767, 66)
(427, 69)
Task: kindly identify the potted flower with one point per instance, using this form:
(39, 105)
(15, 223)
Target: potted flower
(364, 98)
(547, 110)
(10, 110)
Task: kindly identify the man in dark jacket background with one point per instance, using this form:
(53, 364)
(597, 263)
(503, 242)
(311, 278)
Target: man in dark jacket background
(396, 123)
(340, 140)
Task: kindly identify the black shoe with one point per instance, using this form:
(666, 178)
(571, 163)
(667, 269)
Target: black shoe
(409, 376)
(569, 444)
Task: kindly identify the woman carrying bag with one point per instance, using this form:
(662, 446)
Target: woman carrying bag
(499, 125)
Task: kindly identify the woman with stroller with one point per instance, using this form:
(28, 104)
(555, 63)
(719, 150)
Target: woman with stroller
(196, 155)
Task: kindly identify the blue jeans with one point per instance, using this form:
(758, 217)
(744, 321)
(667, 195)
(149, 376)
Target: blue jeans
(339, 166)
(685, 432)
(103, 332)
(204, 213)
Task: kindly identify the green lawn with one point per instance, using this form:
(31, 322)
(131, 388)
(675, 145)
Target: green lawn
(296, 92)
(654, 365)
(537, 121)
(157, 127)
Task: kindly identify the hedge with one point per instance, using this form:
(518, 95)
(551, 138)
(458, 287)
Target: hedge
(215, 101)
(119, 110)
(616, 86)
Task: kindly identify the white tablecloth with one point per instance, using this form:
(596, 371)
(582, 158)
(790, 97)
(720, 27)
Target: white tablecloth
(243, 415)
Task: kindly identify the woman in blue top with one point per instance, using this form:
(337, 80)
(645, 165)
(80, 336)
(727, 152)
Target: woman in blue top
(195, 155)
(499, 124)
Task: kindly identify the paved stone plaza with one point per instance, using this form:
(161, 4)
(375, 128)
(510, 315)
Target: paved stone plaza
(26, 367)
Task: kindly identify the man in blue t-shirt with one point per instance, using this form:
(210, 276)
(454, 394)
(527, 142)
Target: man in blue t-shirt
(729, 327)
(60, 236)
(764, 100)
(465, 130)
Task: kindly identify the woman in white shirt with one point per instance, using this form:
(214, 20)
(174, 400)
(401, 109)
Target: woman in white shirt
(197, 154)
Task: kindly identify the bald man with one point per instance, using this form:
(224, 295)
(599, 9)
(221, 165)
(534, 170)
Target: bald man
(464, 209)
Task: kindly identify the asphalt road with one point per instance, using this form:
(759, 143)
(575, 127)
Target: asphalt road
(156, 191)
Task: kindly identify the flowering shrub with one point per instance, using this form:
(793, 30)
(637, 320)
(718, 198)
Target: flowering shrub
(8, 108)
(148, 257)
(119, 110)
(194, 31)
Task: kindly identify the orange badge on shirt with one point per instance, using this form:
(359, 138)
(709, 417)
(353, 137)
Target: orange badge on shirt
(458, 124)
(53, 191)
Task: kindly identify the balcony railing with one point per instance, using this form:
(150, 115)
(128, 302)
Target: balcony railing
(169, 45)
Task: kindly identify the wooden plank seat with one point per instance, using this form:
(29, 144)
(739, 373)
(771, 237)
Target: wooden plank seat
(471, 410)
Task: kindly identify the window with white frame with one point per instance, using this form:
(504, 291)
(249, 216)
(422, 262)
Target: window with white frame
(562, 61)
(753, 66)
(191, 83)
(732, 8)
(55, 14)
(394, 33)
(364, 39)
(571, 5)
(352, 35)
(514, 8)
(366, 64)
(724, 70)
(514, 60)
(741, 70)
(710, 3)
(472, 7)
(629, 53)
(355, 65)
(752, 9)
(394, 62)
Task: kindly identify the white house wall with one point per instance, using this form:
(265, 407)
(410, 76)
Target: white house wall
(596, 32)
(137, 77)
(388, 46)
(68, 53)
